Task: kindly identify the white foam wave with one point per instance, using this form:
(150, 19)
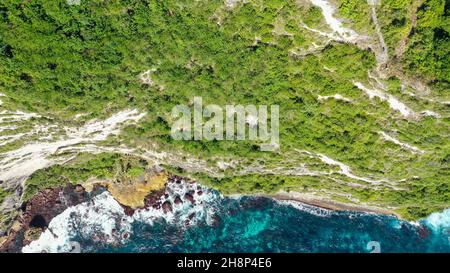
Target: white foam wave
(96, 218)
(439, 220)
(307, 208)
(103, 219)
(183, 211)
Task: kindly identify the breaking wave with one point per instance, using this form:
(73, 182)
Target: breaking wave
(103, 219)
(439, 221)
(193, 218)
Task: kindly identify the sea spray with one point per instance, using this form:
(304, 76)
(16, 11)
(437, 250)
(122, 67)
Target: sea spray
(320, 212)
(103, 220)
(202, 220)
(439, 220)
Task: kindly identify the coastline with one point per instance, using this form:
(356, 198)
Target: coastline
(316, 201)
(21, 236)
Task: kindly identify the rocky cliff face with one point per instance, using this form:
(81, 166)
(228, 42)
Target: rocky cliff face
(36, 214)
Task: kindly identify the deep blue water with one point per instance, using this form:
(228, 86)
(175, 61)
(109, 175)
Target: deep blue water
(250, 224)
(202, 220)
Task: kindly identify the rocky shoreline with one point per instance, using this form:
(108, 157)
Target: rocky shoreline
(329, 204)
(315, 201)
(36, 214)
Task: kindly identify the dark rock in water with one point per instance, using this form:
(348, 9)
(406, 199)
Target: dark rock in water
(37, 213)
(177, 179)
(166, 195)
(153, 199)
(50, 202)
(216, 220)
(167, 207)
(128, 211)
(189, 197)
(178, 200)
(191, 216)
(423, 231)
(200, 192)
(256, 203)
(157, 205)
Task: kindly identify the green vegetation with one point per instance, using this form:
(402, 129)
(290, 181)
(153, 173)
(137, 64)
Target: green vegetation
(395, 21)
(61, 60)
(85, 166)
(358, 12)
(428, 52)
(3, 194)
(417, 199)
(424, 25)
